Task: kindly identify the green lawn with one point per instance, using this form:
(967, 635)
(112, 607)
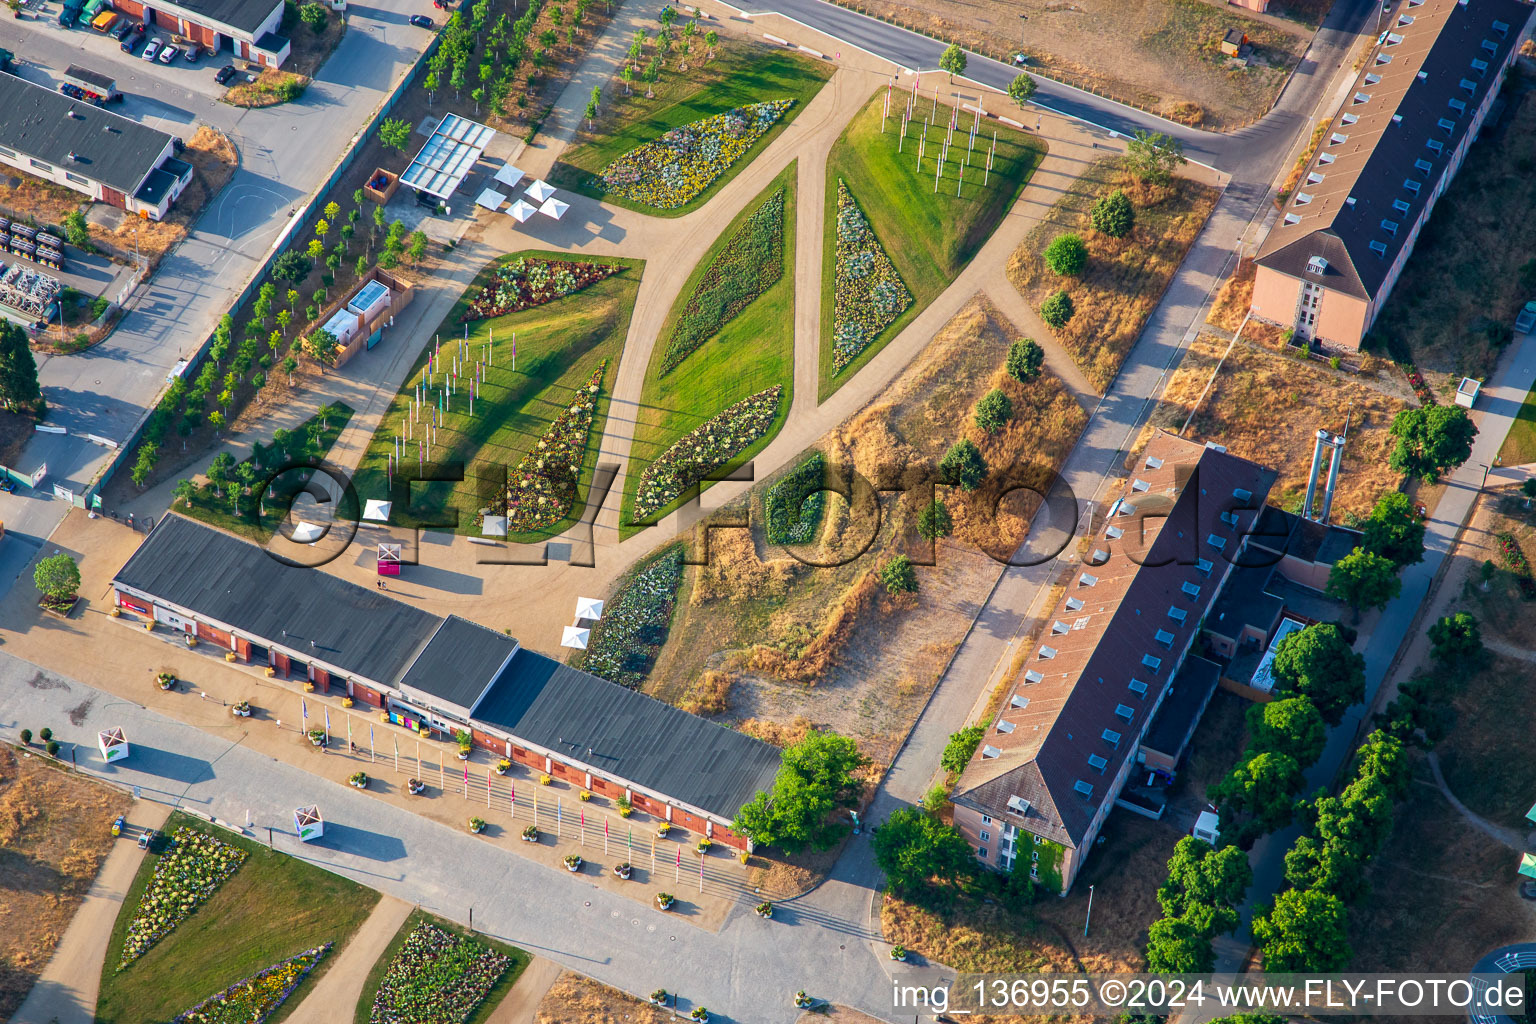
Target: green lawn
(520, 961)
(929, 236)
(756, 350)
(741, 73)
(559, 346)
(272, 908)
(1520, 443)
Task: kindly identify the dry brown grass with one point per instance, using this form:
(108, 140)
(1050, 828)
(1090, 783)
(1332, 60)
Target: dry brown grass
(710, 695)
(214, 160)
(812, 660)
(780, 734)
(1268, 408)
(1234, 297)
(24, 197)
(307, 50)
(836, 1015)
(53, 837)
(1307, 152)
(577, 999)
(1125, 277)
(270, 88)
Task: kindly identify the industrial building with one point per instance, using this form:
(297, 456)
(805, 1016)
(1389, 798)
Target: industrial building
(108, 157)
(447, 672)
(246, 28)
(1330, 262)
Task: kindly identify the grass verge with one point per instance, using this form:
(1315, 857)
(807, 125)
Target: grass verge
(1519, 445)
(755, 350)
(559, 345)
(740, 73)
(272, 908)
(930, 236)
(520, 959)
(1125, 277)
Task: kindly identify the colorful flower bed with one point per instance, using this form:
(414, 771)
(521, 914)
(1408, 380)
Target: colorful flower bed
(542, 488)
(252, 1000)
(190, 872)
(525, 283)
(673, 169)
(869, 294)
(1514, 560)
(748, 265)
(436, 978)
(1420, 385)
(635, 622)
(705, 449)
(793, 506)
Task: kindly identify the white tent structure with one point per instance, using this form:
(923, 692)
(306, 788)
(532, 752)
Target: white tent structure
(509, 175)
(491, 199)
(376, 510)
(307, 533)
(589, 608)
(493, 526)
(307, 823)
(554, 208)
(540, 190)
(112, 744)
(521, 211)
(575, 636)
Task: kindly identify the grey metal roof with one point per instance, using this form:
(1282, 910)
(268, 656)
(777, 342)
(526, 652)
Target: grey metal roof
(459, 662)
(362, 631)
(1245, 601)
(114, 150)
(1186, 700)
(246, 15)
(628, 734)
(448, 156)
(155, 186)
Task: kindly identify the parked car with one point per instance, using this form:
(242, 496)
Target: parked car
(151, 49)
(193, 52)
(225, 74)
(421, 21)
(121, 29)
(1525, 320)
(168, 53)
(133, 39)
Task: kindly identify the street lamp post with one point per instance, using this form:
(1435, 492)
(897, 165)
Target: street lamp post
(1089, 916)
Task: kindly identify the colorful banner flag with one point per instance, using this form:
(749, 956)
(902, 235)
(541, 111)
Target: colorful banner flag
(304, 708)
(327, 719)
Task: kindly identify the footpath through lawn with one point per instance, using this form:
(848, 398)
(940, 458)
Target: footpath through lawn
(559, 346)
(740, 73)
(271, 908)
(929, 233)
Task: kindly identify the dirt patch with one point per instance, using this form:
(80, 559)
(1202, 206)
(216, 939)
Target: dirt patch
(53, 837)
(214, 160)
(16, 429)
(1163, 55)
(1257, 389)
(1125, 277)
(833, 1014)
(575, 997)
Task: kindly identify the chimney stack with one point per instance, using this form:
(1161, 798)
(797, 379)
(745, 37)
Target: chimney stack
(1317, 462)
(1333, 476)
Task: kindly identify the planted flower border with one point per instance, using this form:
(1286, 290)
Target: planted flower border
(542, 487)
(636, 621)
(794, 505)
(749, 264)
(436, 978)
(869, 293)
(530, 281)
(668, 172)
(190, 871)
(252, 1000)
(705, 449)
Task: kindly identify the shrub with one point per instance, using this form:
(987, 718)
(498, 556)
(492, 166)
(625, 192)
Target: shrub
(1113, 215)
(1057, 310)
(963, 464)
(994, 411)
(52, 747)
(934, 521)
(794, 505)
(292, 266)
(45, 734)
(26, 737)
(898, 576)
(961, 746)
(1025, 359)
(1067, 255)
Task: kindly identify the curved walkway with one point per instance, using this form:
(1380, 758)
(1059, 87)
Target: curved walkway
(1498, 833)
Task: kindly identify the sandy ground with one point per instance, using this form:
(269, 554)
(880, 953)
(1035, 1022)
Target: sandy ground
(341, 984)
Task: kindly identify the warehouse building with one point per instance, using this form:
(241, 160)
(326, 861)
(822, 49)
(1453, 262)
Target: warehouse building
(108, 157)
(1329, 264)
(246, 28)
(447, 672)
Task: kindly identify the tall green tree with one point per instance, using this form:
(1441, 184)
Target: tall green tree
(1319, 664)
(19, 389)
(1025, 359)
(1258, 796)
(913, 847)
(1113, 215)
(1303, 932)
(1394, 530)
(1178, 945)
(818, 777)
(1456, 641)
(952, 61)
(1021, 89)
(1291, 726)
(1201, 876)
(57, 576)
(1153, 156)
(1431, 440)
(964, 465)
(960, 748)
(1364, 579)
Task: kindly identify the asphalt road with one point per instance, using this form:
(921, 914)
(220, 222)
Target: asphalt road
(285, 153)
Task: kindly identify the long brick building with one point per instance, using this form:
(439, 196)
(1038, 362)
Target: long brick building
(448, 672)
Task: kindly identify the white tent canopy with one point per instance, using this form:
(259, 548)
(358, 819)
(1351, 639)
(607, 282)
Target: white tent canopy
(494, 526)
(575, 636)
(554, 208)
(521, 210)
(540, 190)
(588, 608)
(491, 199)
(509, 175)
(377, 510)
(307, 533)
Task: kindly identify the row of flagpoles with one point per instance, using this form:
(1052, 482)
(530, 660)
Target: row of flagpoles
(533, 814)
(431, 400)
(909, 113)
